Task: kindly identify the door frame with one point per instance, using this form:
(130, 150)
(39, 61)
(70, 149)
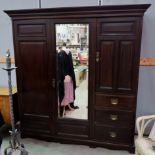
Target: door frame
(77, 124)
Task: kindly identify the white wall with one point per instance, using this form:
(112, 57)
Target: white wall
(6, 41)
(146, 92)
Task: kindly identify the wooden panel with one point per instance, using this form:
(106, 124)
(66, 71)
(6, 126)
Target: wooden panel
(65, 129)
(114, 118)
(36, 123)
(125, 66)
(117, 27)
(105, 65)
(113, 135)
(31, 30)
(115, 101)
(34, 76)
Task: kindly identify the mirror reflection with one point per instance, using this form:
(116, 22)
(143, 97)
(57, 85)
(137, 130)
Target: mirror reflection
(72, 46)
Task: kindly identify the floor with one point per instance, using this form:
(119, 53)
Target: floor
(81, 101)
(36, 147)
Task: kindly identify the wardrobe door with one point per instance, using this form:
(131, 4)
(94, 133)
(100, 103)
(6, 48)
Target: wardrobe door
(117, 61)
(34, 76)
(117, 56)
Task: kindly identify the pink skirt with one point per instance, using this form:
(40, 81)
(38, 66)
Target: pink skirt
(68, 93)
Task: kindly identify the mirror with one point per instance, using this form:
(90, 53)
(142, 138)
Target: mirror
(72, 47)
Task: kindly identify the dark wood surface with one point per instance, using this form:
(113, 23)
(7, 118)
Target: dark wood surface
(90, 11)
(114, 52)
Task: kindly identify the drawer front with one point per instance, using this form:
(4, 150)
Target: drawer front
(115, 102)
(37, 124)
(113, 135)
(69, 130)
(114, 118)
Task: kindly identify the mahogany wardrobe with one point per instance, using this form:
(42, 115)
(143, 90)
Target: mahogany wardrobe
(114, 55)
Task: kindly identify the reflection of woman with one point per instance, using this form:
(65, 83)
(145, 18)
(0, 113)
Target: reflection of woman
(67, 83)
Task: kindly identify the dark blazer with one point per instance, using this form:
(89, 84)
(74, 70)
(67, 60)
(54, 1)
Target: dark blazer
(65, 67)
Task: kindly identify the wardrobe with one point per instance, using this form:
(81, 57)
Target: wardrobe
(115, 41)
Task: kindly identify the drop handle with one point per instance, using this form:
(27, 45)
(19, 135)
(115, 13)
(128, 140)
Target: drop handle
(113, 134)
(114, 117)
(53, 83)
(114, 101)
(97, 56)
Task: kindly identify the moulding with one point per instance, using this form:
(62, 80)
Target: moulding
(89, 11)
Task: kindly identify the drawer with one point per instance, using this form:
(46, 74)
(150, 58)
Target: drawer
(113, 135)
(114, 118)
(115, 102)
(72, 130)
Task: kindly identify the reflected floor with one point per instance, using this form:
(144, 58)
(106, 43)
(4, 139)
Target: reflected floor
(81, 101)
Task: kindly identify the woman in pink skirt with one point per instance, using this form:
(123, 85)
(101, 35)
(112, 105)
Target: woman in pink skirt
(68, 93)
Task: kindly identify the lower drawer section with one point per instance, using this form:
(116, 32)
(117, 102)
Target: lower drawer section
(72, 129)
(36, 124)
(113, 135)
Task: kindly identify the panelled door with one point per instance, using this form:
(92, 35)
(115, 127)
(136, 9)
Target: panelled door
(116, 55)
(34, 75)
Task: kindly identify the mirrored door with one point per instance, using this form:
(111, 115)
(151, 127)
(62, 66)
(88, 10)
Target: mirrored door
(72, 48)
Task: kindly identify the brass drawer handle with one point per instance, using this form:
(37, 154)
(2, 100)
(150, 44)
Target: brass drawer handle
(113, 135)
(114, 117)
(114, 101)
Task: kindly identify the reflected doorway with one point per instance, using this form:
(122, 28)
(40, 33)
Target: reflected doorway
(72, 46)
